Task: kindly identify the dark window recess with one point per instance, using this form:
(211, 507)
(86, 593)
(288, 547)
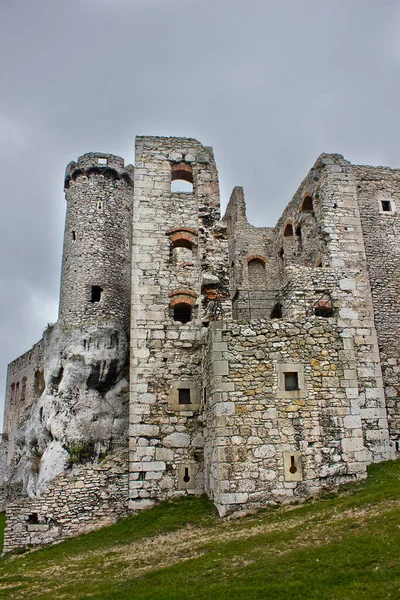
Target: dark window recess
(74, 235)
(323, 310)
(291, 381)
(142, 475)
(288, 231)
(96, 293)
(182, 243)
(307, 205)
(276, 312)
(386, 205)
(184, 396)
(182, 313)
(33, 519)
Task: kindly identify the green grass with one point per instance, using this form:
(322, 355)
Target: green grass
(343, 545)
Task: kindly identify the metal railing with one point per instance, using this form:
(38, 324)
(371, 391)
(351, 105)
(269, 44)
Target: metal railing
(275, 304)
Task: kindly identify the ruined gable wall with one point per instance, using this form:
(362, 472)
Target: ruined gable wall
(165, 437)
(307, 244)
(24, 385)
(381, 230)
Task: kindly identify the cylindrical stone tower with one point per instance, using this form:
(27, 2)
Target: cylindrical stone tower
(95, 277)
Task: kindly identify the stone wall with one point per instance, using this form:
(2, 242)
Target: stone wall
(87, 498)
(178, 261)
(95, 276)
(379, 188)
(255, 429)
(25, 383)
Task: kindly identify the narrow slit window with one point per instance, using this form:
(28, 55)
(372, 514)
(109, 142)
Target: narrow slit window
(291, 381)
(184, 396)
(74, 236)
(96, 293)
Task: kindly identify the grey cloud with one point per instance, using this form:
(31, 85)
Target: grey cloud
(270, 85)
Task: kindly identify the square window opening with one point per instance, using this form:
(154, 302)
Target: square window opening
(291, 381)
(184, 396)
(96, 293)
(386, 206)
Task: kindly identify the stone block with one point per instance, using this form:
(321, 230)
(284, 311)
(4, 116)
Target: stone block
(144, 430)
(238, 498)
(177, 440)
(220, 367)
(224, 408)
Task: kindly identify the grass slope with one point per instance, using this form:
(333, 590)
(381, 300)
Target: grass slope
(343, 545)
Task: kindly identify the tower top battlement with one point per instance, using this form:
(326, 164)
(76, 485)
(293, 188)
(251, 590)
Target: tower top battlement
(101, 163)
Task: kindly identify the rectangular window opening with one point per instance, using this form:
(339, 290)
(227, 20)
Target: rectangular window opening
(184, 396)
(96, 293)
(101, 161)
(386, 205)
(291, 381)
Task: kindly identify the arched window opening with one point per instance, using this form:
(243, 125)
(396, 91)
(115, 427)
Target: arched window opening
(182, 241)
(256, 270)
(288, 231)
(183, 312)
(181, 178)
(307, 205)
(182, 302)
(276, 312)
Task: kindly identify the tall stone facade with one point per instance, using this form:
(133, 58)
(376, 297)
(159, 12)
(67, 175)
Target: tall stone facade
(255, 364)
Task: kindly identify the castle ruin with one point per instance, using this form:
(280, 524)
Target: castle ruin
(193, 354)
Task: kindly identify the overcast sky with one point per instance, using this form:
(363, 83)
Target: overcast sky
(269, 84)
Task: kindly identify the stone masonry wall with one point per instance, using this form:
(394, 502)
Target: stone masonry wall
(381, 231)
(166, 430)
(87, 498)
(25, 383)
(253, 425)
(97, 241)
(341, 225)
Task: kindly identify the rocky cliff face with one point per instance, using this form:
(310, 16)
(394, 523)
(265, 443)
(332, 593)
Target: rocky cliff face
(82, 413)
